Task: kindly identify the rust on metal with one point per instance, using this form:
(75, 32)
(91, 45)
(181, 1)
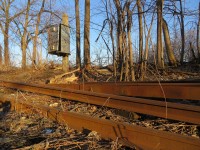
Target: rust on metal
(140, 137)
(175, 90)
(181, 112)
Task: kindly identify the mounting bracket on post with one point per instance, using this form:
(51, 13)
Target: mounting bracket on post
(59, 41)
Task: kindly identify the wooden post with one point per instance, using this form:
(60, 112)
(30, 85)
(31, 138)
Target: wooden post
(65, 59)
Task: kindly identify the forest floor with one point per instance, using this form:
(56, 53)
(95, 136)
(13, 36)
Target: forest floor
(53, 73)
(22, 131)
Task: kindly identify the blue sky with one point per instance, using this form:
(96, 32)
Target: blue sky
(68, 6)
(95, 8)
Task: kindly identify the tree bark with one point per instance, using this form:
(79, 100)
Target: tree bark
(160, 53)
(140, 38)
(170, 53)
(130, 48)
(119, 38)
(192, 51)
(5, 7)
(78, 40)
(34, 63)
(182, 34)
(140, 30)
(24, 37)
(6, 44)
(111, 36)
(87, 63)
(39, 53)
(147, 43)
(113, 49)
(6, 36)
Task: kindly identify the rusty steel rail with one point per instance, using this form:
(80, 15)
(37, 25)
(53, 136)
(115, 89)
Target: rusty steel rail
(174, 90)
(181, 112)
(131, 135)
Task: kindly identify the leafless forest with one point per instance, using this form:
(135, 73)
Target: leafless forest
(99, 74)
(136, 36)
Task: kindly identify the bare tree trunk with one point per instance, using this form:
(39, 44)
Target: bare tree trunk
(140, 36)
(6, 44)
(24, 37)
(119, 37)
(159, 35)
(126, 77)
(170, 53)
(192, 51)
(130, 48)
(113, 48)
(140, 30)
(87, 62)
(23, 46)
(36, 34)
(39, 53)
(182, 34)
(5, 8)
(147, 43)
(198, 32)
(6, 35)
(112, 37)
(78, 40)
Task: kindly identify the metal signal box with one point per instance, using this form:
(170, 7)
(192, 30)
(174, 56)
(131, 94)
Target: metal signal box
(59, 40)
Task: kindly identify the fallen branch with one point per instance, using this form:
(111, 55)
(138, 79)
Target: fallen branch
(60, 76)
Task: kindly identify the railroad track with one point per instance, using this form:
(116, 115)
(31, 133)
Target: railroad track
(169, 110)
(154, 139)
(175, 90)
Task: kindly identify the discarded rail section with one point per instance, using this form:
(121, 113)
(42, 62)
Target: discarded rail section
(169, 110)
(175, 90)
(130, 135)
(108, 129)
